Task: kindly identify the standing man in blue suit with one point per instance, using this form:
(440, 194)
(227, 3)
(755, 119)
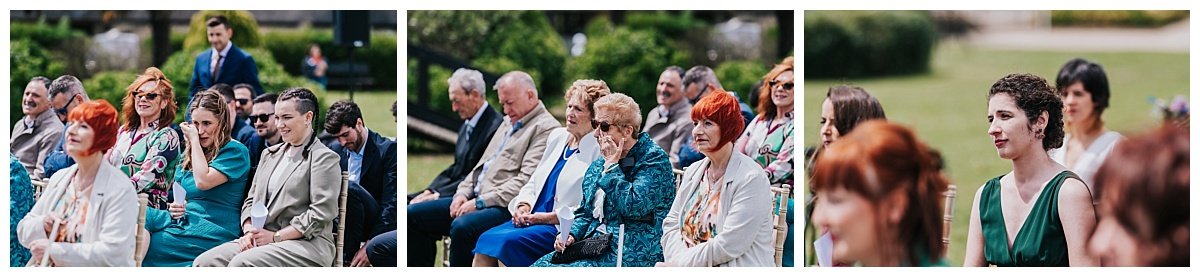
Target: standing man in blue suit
(224, 63)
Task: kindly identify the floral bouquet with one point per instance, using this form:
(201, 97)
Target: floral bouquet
(1174, 112)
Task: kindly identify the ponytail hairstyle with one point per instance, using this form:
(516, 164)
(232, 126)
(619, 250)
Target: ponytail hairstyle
(210, 100)
(877, 161)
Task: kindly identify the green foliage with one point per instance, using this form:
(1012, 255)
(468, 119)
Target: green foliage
(527, 43)
(671, 24)
(271, 75)
(841, 44)
(455, 33)
(630, 61)
(1116, 18)
(43, 34)
(245, 30)
(111, 85)
(27, 60)
(291, 47)
(740, 76)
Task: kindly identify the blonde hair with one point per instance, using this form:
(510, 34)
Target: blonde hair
(587, 92)
(210, 100)
(626, 111)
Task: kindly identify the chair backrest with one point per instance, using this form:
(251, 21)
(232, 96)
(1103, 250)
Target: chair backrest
(141, 241)
(948, 214)
(341, 226)
(678, 177)
(779, 199)
(446, 251)
(38, 187)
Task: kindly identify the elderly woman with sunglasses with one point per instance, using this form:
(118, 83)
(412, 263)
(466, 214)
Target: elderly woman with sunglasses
(147, 147)
(631, 189)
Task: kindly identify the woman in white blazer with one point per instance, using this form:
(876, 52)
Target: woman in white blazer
(554, 186)
(722, 211)
(87, 215)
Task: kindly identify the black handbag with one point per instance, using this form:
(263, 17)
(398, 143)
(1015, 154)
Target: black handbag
(593, 246)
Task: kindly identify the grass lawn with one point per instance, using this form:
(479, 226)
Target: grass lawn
(948, 106)
(376, 108)
(421, 170)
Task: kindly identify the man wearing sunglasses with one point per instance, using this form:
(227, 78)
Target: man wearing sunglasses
(35, 135)
(243, 96)
(66, 93)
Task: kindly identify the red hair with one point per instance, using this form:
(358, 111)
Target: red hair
(879, 159)
(765, 106)
(720, 107)
(102, 118)
(163, 87)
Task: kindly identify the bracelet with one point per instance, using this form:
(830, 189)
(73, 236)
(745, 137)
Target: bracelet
(275, 238)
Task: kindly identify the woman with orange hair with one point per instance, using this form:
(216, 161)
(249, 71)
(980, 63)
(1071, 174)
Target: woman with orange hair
(721, 215)
(880, 198)
(87, 215)
(147, 147)
(768, 139)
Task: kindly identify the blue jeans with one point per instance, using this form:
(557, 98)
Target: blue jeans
(429, 221)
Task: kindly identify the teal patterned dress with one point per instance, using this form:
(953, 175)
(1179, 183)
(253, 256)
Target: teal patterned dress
(211, 216)
(638, 193)
(149, 159)
(21, 196)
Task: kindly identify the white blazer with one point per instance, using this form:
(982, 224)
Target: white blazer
(108, 235)
(570, 180)
(744, 231)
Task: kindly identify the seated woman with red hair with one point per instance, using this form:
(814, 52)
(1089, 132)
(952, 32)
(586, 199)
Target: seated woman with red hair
(87, 215)
(721, 215)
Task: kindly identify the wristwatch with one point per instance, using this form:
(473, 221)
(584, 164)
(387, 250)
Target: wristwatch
(275, 238)
(478, 204)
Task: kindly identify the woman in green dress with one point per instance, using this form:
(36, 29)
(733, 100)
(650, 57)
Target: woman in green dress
(147, 147)
(881, 193)
(213, 173)
(1039, 214)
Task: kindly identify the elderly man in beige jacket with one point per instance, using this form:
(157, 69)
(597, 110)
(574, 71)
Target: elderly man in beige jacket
(37, 133)
(481, 200)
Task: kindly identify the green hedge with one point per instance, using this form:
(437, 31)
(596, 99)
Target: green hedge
(27, 60)
(841, 44)
(740, 76)
(1116, 18)
(245, 30)
(291, 47)
(110, 86)
(630, 61)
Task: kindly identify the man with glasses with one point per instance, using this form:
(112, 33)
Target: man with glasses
(66, 93)
(244, 94)
(262, 118)
(36, 134)
(371, 161)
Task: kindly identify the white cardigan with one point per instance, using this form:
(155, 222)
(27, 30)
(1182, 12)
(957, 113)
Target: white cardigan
(744, 231)
(108, 236)
(569, 192)
(1090, 160)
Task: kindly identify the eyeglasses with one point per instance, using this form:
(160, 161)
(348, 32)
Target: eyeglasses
(242, 101)
(261, 118)
(145, 95)
(787, 86)
(603, 125)
(63, 110)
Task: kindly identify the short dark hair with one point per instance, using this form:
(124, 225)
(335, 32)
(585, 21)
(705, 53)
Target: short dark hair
(246, 86)
(66, 84)
(677, 70)
(1033, 96)
(852, 105)
(1091, 75)
(700, 75)
(394, 108)
(217, 20)
(266, 98)
(225, 90)
(306, 101)
(45, 81)
(342, 113)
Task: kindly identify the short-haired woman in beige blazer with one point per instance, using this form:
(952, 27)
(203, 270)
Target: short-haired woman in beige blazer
(298, 183)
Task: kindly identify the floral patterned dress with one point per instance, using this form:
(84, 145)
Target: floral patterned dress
(148, 157)
(768, 141)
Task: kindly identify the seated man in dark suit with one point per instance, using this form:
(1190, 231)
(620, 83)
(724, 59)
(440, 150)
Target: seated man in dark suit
(224, 63)
(468, 100)
(371, 161)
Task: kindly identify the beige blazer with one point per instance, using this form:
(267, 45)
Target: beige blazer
(32, 144)
(515, 163)
(307, 200)
(108, 236)
(743, 223)
(671, 131)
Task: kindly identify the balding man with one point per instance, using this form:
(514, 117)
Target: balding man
(670, 123)
(66, 93)
(481, 200)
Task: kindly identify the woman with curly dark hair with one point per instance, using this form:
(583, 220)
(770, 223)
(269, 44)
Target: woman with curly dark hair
(1039, 214)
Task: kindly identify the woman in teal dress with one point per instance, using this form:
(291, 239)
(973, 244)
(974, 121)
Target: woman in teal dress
(21, 196)
(147, 147)
(209, 215)
(632, 185)
(881, 197)
(1039, 214)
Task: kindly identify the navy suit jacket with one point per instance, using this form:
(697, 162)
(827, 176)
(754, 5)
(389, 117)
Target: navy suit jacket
(238, 68)
(466, 154)
(378, 176)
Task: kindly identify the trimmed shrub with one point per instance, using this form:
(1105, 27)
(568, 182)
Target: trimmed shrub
(245, 30)
(1144, 19)
(27, 60)
(740, 76)
(290, 47)
(841, 44)
(629, 61)
(110, 86)
(527, 43)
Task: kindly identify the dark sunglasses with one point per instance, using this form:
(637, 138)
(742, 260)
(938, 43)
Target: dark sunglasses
(261, 118)
(787, 86)
(603, 125)
(145, 95)
(63, 110)
(242, 101)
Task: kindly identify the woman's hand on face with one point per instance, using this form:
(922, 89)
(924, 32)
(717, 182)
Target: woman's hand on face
(177, 209)
(611, 148)
(560, 246)
(189, 132)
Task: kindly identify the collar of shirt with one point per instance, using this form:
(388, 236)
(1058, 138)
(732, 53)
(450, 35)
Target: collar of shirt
(223, 53)
(475, 119)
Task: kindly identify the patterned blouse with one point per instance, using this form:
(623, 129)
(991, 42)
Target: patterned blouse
(704, 204)
(148, 158)
(769, 143)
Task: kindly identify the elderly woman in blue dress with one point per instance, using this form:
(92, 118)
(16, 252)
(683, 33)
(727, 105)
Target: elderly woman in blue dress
(554, 186)
(722, 211)
(630, 189)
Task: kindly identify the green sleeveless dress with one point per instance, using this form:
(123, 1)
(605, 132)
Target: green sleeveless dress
(1039, 242)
